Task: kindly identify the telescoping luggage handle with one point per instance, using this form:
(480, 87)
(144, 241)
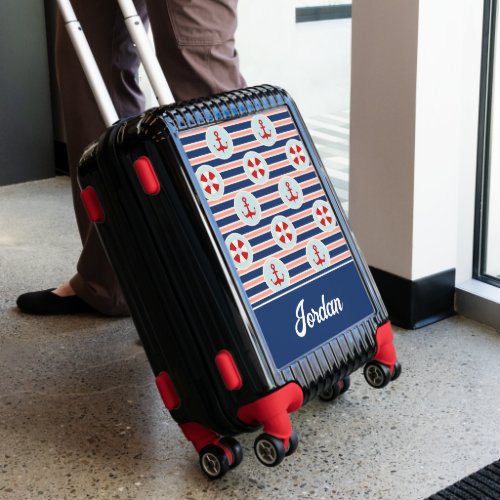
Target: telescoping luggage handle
(140, 38)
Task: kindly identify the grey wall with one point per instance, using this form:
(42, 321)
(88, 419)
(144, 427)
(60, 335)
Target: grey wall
(50, 20)
(26, 137)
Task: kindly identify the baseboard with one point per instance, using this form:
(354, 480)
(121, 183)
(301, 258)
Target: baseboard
(415, 304)
(61, 158)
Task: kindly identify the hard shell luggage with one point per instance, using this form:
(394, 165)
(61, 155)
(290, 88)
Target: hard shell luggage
(243, 279)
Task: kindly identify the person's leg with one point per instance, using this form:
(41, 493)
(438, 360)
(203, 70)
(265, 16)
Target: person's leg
(102, 23)
(195, 45)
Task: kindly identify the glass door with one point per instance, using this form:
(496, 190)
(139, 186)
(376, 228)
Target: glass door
(304, 46)
(487, 227)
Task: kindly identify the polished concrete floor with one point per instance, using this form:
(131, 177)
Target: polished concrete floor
(80, 416)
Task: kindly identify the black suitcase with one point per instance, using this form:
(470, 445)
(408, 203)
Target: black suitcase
(243, 279)
(242, 322)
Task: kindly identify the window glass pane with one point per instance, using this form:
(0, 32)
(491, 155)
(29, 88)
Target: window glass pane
(492, 216)
(487, 229)
(312, 61)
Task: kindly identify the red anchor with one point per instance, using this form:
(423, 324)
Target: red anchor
(292, 197)
(249, 213)
(278, 279)
(221, 147)
(320, 260)
(263, 128)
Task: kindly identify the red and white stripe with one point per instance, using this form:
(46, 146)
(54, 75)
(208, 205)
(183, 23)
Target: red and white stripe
(234, 135)
(296, 279)
(283, 253)
(257, 187)
(272, 211)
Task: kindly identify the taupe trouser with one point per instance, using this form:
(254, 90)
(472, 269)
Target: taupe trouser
(194, 41)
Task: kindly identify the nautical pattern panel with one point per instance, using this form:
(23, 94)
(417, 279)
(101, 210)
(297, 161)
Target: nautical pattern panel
(271, 210)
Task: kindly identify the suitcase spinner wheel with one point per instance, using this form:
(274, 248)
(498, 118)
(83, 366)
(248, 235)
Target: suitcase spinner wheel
(293, 443)
(234, 446)
(396, 371)
(216, 459)
(377, 374)
(269, 450)
(336, 390)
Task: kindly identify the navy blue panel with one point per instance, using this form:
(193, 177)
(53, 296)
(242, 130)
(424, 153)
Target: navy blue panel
(313, 314)
(297, 319)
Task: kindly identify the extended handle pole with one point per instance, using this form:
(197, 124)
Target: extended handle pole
(146, 52)
(88, 63)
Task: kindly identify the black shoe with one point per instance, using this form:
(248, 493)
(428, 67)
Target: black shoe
(48, 303)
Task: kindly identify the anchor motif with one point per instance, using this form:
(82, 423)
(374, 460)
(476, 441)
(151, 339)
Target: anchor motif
(264, 130)
(265, 135)
(290, 192)
(316, 252)
(221, 147)
(292, 196)
(279, 280)
(249, 213)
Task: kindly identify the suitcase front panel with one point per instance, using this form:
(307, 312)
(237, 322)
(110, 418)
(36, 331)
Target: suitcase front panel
(267, 203)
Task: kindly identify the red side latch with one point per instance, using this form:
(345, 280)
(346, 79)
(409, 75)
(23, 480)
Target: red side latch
(92, 204)
(147, 175)
(228, 370)
(167, 391)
